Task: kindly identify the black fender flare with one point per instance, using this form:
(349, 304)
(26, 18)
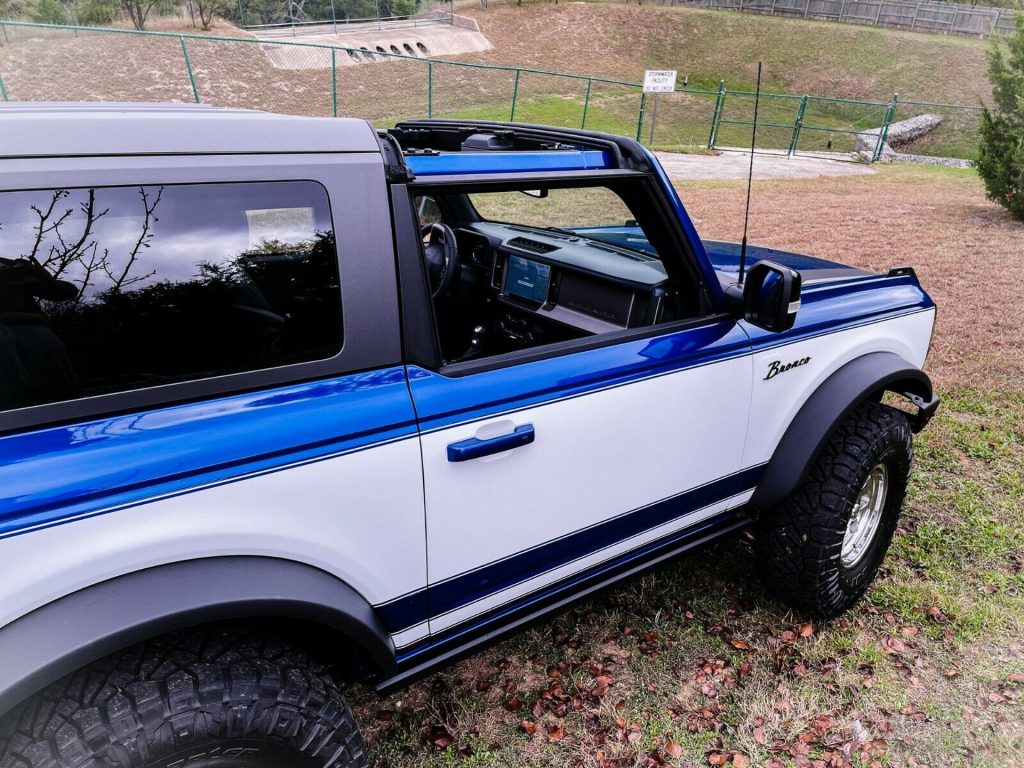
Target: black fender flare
(865, 377)
(73, 631)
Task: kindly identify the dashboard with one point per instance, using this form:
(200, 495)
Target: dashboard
(546, 285)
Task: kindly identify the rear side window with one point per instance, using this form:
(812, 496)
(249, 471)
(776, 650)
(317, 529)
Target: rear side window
(118, 288)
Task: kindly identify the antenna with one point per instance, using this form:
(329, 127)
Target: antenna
(750, 178)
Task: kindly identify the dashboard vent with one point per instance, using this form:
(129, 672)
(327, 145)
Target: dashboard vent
(498, 273)
(532, 245)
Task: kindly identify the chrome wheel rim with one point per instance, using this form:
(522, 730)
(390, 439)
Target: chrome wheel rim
(866, 516)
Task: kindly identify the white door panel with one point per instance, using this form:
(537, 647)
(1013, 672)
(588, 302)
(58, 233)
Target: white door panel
(594, 457)
(651, 420)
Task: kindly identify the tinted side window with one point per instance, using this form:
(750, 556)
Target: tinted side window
(111, 289)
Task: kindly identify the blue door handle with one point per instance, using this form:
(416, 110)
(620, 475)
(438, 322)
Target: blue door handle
(474, 447)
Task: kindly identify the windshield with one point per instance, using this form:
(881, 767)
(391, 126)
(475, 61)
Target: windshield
(596, 213)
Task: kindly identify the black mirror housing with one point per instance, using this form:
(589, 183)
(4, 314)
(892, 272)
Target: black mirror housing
(769, 296)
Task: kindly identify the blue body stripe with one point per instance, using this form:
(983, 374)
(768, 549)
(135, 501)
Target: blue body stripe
(458, 591)
(449, 163)
(567, 587)
(468, 587)
(832, 307)
(443, 401)
(61, 473)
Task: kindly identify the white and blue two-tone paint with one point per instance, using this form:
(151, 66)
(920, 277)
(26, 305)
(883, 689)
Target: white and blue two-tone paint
(411, 505)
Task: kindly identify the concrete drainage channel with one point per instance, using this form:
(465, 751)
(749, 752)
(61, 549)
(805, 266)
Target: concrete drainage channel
(373, 43)
(366, 55)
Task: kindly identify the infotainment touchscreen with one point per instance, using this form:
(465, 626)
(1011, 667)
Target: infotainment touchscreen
(527, 279)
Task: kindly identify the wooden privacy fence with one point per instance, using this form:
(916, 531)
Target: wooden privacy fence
(935, 17)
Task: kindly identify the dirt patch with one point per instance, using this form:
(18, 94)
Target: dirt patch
(966, 250)
(735, 165)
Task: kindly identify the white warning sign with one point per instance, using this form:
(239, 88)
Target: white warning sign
(659, 81)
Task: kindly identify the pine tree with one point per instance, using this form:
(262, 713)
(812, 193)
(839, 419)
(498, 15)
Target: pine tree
(1001, 154)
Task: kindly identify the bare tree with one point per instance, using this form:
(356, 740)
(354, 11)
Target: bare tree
(80, 258)
(138, 10)
(82, 251)
(145, 236)
(207, 9)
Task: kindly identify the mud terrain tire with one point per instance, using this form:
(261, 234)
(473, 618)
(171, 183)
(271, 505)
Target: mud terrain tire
(197, 699)
(800, 543)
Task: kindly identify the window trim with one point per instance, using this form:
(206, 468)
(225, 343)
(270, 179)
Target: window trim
(415, 349)
(572, 346)
(148, 398)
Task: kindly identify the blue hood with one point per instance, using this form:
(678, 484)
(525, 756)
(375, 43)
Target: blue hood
(725, 257)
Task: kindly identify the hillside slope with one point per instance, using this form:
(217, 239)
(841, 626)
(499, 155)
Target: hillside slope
(616, 41)
(800, 56)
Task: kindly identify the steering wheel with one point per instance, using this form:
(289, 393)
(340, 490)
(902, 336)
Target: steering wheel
(442, 256)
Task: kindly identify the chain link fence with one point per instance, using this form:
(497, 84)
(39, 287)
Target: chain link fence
(40, 62)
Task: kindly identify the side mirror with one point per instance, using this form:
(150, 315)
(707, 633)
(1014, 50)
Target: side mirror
(770, 296)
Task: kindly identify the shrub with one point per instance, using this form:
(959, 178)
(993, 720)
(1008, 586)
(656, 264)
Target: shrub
(48, 12)
(96, 13)
(1001, 152)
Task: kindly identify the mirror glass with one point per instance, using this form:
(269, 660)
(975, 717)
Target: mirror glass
(770, 297)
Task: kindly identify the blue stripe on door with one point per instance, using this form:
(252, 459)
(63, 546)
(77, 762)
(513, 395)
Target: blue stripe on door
(58, 474)
(443, 401)
(490, 579)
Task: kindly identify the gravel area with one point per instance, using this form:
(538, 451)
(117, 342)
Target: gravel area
(734, 165)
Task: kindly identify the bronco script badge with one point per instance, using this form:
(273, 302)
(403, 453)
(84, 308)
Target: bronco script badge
(776, 367)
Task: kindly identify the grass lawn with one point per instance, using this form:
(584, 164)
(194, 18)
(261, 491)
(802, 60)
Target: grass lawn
(695, 665)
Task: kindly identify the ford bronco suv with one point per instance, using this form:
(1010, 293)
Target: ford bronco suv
(291, 402)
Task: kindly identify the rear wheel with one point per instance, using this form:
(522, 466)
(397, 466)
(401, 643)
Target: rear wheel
(202, 699)
(821, 547)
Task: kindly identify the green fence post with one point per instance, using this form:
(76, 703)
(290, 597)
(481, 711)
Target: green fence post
(640, 117)
(3, 89)
(188, 66)
(515, 95)
(586, 103)
(241, 18)
(334, 81)
(716, 115)
(430, 88)
(334, 18)
(291, 17)
(797, 124)
(883, 134)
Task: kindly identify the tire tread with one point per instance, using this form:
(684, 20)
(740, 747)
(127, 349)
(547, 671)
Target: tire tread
(179, 690)
(799, 542)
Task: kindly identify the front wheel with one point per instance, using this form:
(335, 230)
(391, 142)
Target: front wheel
(201, 699)
(821, 547)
